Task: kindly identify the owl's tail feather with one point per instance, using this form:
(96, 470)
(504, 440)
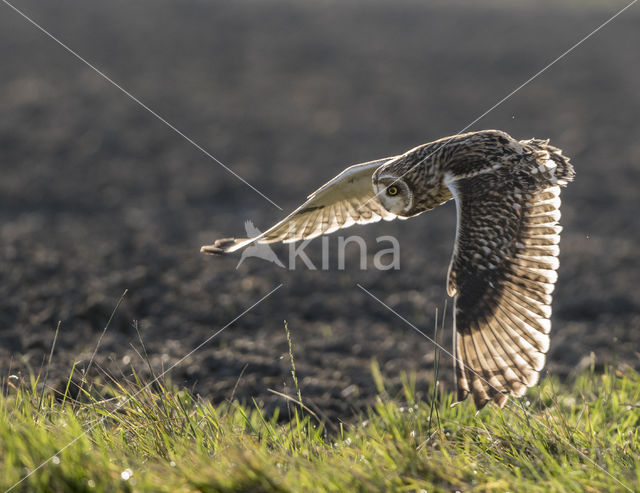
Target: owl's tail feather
(564, 171)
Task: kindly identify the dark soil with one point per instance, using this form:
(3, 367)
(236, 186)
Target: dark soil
(98, 196)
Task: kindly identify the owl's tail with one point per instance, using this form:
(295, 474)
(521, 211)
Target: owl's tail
(564, 169)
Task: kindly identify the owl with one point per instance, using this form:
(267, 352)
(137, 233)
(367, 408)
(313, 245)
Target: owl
(505, 257)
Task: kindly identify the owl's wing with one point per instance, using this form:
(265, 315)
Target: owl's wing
(502, 275)
(345, 200)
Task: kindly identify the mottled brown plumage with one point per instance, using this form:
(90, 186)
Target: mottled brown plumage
(504, 263)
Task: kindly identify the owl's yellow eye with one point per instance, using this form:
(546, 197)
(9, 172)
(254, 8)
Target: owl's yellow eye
(392, 190)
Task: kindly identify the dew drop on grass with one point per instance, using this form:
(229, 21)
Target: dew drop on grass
(55, 459)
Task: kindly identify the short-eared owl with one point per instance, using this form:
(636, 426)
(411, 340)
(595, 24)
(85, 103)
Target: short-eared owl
(504, 263)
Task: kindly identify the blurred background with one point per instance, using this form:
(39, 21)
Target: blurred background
(98, 196)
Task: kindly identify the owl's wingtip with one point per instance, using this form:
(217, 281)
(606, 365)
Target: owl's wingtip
(219, 247)
(211, 250)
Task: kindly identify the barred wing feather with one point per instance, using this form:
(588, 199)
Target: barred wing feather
(345, 200)
(502, 275)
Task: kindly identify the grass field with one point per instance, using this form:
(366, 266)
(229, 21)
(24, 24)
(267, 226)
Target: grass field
(151, 437)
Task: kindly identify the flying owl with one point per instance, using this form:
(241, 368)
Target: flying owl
(503, 269)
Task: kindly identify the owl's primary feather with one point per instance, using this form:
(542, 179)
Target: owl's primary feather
(503, 268)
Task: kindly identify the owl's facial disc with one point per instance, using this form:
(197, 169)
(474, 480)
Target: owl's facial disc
(393, 193)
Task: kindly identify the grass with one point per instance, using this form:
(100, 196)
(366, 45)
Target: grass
(153, 438)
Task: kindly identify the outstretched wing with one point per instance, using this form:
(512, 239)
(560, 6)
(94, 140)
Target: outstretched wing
(347, 199)
(502, 275)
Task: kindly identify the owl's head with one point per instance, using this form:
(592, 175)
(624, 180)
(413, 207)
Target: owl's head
(399, 183)
(393, 192)
(412, 183)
